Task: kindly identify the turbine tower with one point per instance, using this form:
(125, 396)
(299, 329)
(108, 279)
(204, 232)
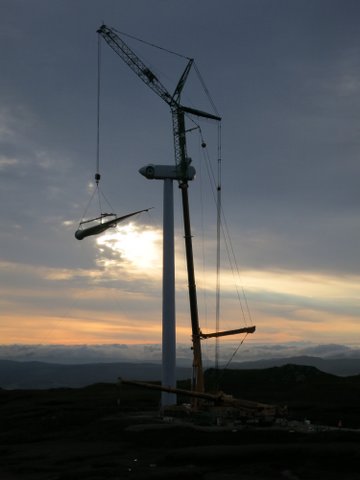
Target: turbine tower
(168, 174)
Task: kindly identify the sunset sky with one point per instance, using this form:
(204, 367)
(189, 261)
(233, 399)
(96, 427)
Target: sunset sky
(285, 77)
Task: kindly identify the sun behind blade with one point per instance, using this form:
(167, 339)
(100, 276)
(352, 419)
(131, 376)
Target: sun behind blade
(101, 227)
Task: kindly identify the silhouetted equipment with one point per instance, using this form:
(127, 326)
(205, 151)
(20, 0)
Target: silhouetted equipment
(102, 226)
(182, 163)
(236, 331)
(241, 407)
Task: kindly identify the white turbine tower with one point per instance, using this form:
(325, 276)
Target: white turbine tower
(168, 173)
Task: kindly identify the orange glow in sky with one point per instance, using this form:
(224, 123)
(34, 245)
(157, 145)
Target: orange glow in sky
(288, 92)
(46, 307)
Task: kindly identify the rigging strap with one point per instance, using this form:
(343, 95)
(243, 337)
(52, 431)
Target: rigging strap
(103, 215)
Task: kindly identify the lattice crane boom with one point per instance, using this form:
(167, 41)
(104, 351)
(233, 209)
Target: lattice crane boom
(151, 80)
(135, 63)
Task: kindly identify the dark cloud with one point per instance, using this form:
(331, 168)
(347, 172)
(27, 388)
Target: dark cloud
(78, 354)
(285, 77)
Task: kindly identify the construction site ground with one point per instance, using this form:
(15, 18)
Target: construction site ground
(98, 433)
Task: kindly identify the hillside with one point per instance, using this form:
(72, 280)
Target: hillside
(308, 392)
(337, 366)
(107, 432)
(41, 375)
(36, 374)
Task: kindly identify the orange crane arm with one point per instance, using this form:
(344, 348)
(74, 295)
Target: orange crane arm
(204, 336)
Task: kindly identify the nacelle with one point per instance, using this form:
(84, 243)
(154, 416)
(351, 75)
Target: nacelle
(172, 172)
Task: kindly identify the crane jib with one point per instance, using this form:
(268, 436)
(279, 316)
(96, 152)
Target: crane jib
(148, 77)
(135, 63)
(200, 113)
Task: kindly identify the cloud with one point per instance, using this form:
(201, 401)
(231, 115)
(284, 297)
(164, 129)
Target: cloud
(282, 303)
(135, 249)
(75, 354)
(6, 162)
(288, 91)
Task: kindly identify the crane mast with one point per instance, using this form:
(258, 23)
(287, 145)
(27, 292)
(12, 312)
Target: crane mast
(178, 112)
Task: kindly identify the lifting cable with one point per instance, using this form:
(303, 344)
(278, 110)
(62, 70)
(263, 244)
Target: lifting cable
(220, 374)
(98, 115)
(178, 55)
(231, 359)
(218, 256)
(223, 228)
(149, 43)
(97, 172)
(97, 189)
(216, 186)
(206, 89)
(102, 225)
(227, 237)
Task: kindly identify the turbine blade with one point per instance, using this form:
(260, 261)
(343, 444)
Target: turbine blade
(96, 229)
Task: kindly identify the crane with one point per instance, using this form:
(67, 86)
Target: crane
(150, 79)
(182, 162)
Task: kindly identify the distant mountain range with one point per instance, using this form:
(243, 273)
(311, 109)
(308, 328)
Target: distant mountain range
(152, 353)
(43, 375)
(336, 366)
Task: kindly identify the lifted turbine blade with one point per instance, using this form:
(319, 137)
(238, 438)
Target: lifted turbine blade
(96, 229)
